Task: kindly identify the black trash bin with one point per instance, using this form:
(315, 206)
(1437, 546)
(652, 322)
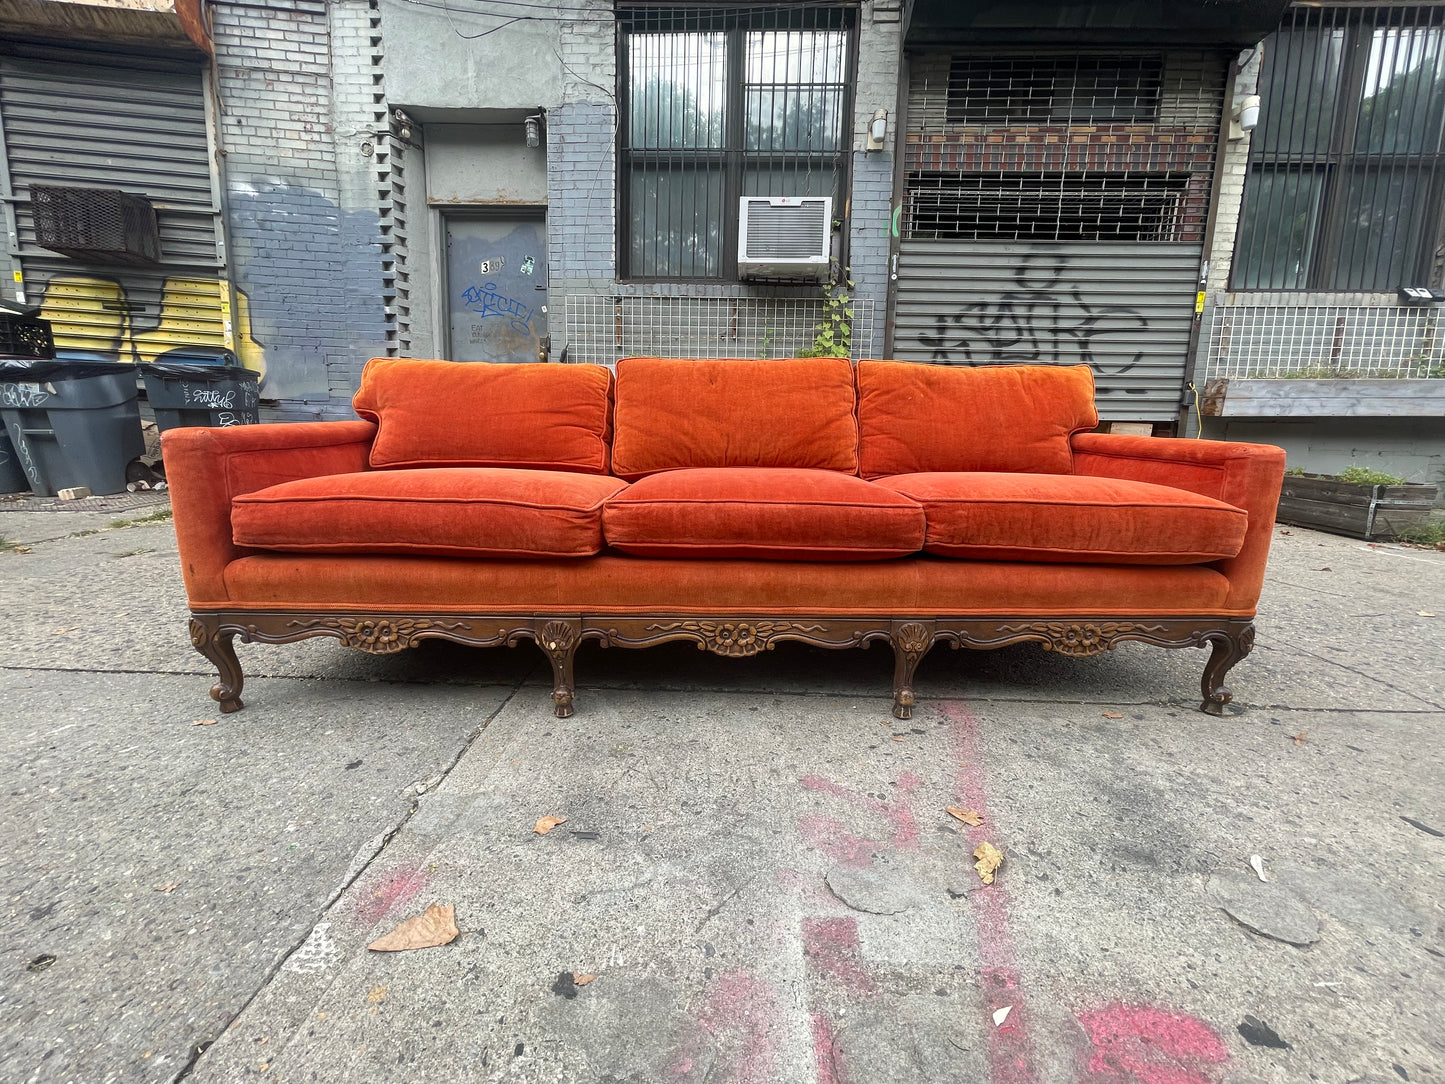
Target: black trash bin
(201, 386)
(12, 478)
(71, 423)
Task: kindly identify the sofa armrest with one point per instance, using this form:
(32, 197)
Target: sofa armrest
(1248, 476)
(207, 468)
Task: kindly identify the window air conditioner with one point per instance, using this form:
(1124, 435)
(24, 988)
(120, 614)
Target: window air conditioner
(784, 237)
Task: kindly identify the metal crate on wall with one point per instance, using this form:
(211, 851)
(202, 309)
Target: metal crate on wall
(97, 224)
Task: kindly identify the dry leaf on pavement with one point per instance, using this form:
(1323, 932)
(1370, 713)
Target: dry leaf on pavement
(1299, 739)
(168, 888)
(1113, 715)
(204, 722)
(546, 824)
(581, 978)
(436, 926)
(989, 859)
(968, 816)
(899, 737)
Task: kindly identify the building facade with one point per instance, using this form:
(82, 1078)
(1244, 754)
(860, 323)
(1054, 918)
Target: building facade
(1056, 183)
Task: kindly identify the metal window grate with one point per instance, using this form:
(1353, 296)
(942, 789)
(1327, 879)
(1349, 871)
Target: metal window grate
(1049, 89)
(1326, 342)
(602, 329)
(1064, 147)
(721, 103)
(1069, 207)
(1346, 166)
(95, 223)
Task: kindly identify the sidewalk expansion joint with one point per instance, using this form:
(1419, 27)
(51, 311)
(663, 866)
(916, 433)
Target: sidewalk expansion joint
(355, 873)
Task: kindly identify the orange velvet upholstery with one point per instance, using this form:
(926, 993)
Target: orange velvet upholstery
(207, 468)
(446, 511)
(1056, 517)
(914, 418)
(606, 584)
(676, 413)
(475, 414)
(762, 512)
(1248, 476)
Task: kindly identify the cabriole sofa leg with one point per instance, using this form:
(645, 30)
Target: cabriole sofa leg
(911, 641)
(1228, 648)
(218, 647)
(559, 639)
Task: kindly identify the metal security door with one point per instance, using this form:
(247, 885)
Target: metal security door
(1124, 309)
(497, 288)
(138, 124)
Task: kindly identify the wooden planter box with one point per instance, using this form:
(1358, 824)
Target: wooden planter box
(1368, 512)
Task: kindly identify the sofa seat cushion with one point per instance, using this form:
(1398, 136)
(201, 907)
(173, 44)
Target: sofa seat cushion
(451, 511)
(773, 513)
(1052, 517)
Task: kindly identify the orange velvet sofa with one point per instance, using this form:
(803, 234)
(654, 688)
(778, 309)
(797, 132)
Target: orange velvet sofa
(732, 503)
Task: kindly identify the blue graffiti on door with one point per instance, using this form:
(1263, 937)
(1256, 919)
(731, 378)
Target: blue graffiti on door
(486, 301)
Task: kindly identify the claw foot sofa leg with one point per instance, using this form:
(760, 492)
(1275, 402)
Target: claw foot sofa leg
(558, 638)
(911, 641)
(1228, 649)
(219, 648)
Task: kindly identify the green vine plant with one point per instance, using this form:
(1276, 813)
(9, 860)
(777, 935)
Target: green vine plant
(833, 334)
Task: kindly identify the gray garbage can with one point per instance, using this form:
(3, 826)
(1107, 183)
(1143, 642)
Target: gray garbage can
(71, 423)
(12, 478)
(201, 386)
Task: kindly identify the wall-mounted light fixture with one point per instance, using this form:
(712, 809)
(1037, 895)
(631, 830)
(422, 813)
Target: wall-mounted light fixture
(1245, 118)
(533, 128)
(402, 125)
(877, 130)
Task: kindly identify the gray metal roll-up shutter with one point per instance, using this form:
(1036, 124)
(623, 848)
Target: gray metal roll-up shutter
(139, 125)
(1125, 309)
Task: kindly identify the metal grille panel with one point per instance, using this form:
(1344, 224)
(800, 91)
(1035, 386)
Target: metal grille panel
(603, 329)
(783, 233)
(1061, 147)
(1326, 342)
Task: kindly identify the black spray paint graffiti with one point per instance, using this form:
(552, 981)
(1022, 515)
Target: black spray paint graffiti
(1041, 320)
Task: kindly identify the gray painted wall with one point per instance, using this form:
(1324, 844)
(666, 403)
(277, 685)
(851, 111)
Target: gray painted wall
(1413, 448)
(483, 163)
(446, 59)
(309, 263)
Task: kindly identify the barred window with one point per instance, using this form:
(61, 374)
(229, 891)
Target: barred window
(717, 105)
(1344, 183)
(1054, 89)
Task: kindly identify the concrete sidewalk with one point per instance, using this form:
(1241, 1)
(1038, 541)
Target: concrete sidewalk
(756, 865)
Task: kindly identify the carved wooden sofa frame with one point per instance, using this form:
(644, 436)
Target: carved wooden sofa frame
(213, 634)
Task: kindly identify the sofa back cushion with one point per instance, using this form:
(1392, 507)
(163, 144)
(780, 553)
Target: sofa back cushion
(914, 418)
(475, 414)
(675, 413)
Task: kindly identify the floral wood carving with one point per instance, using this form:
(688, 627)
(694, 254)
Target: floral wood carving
(1080, 641)
(557, 636)
(379, 636)
(735, 639)
(913, 638)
